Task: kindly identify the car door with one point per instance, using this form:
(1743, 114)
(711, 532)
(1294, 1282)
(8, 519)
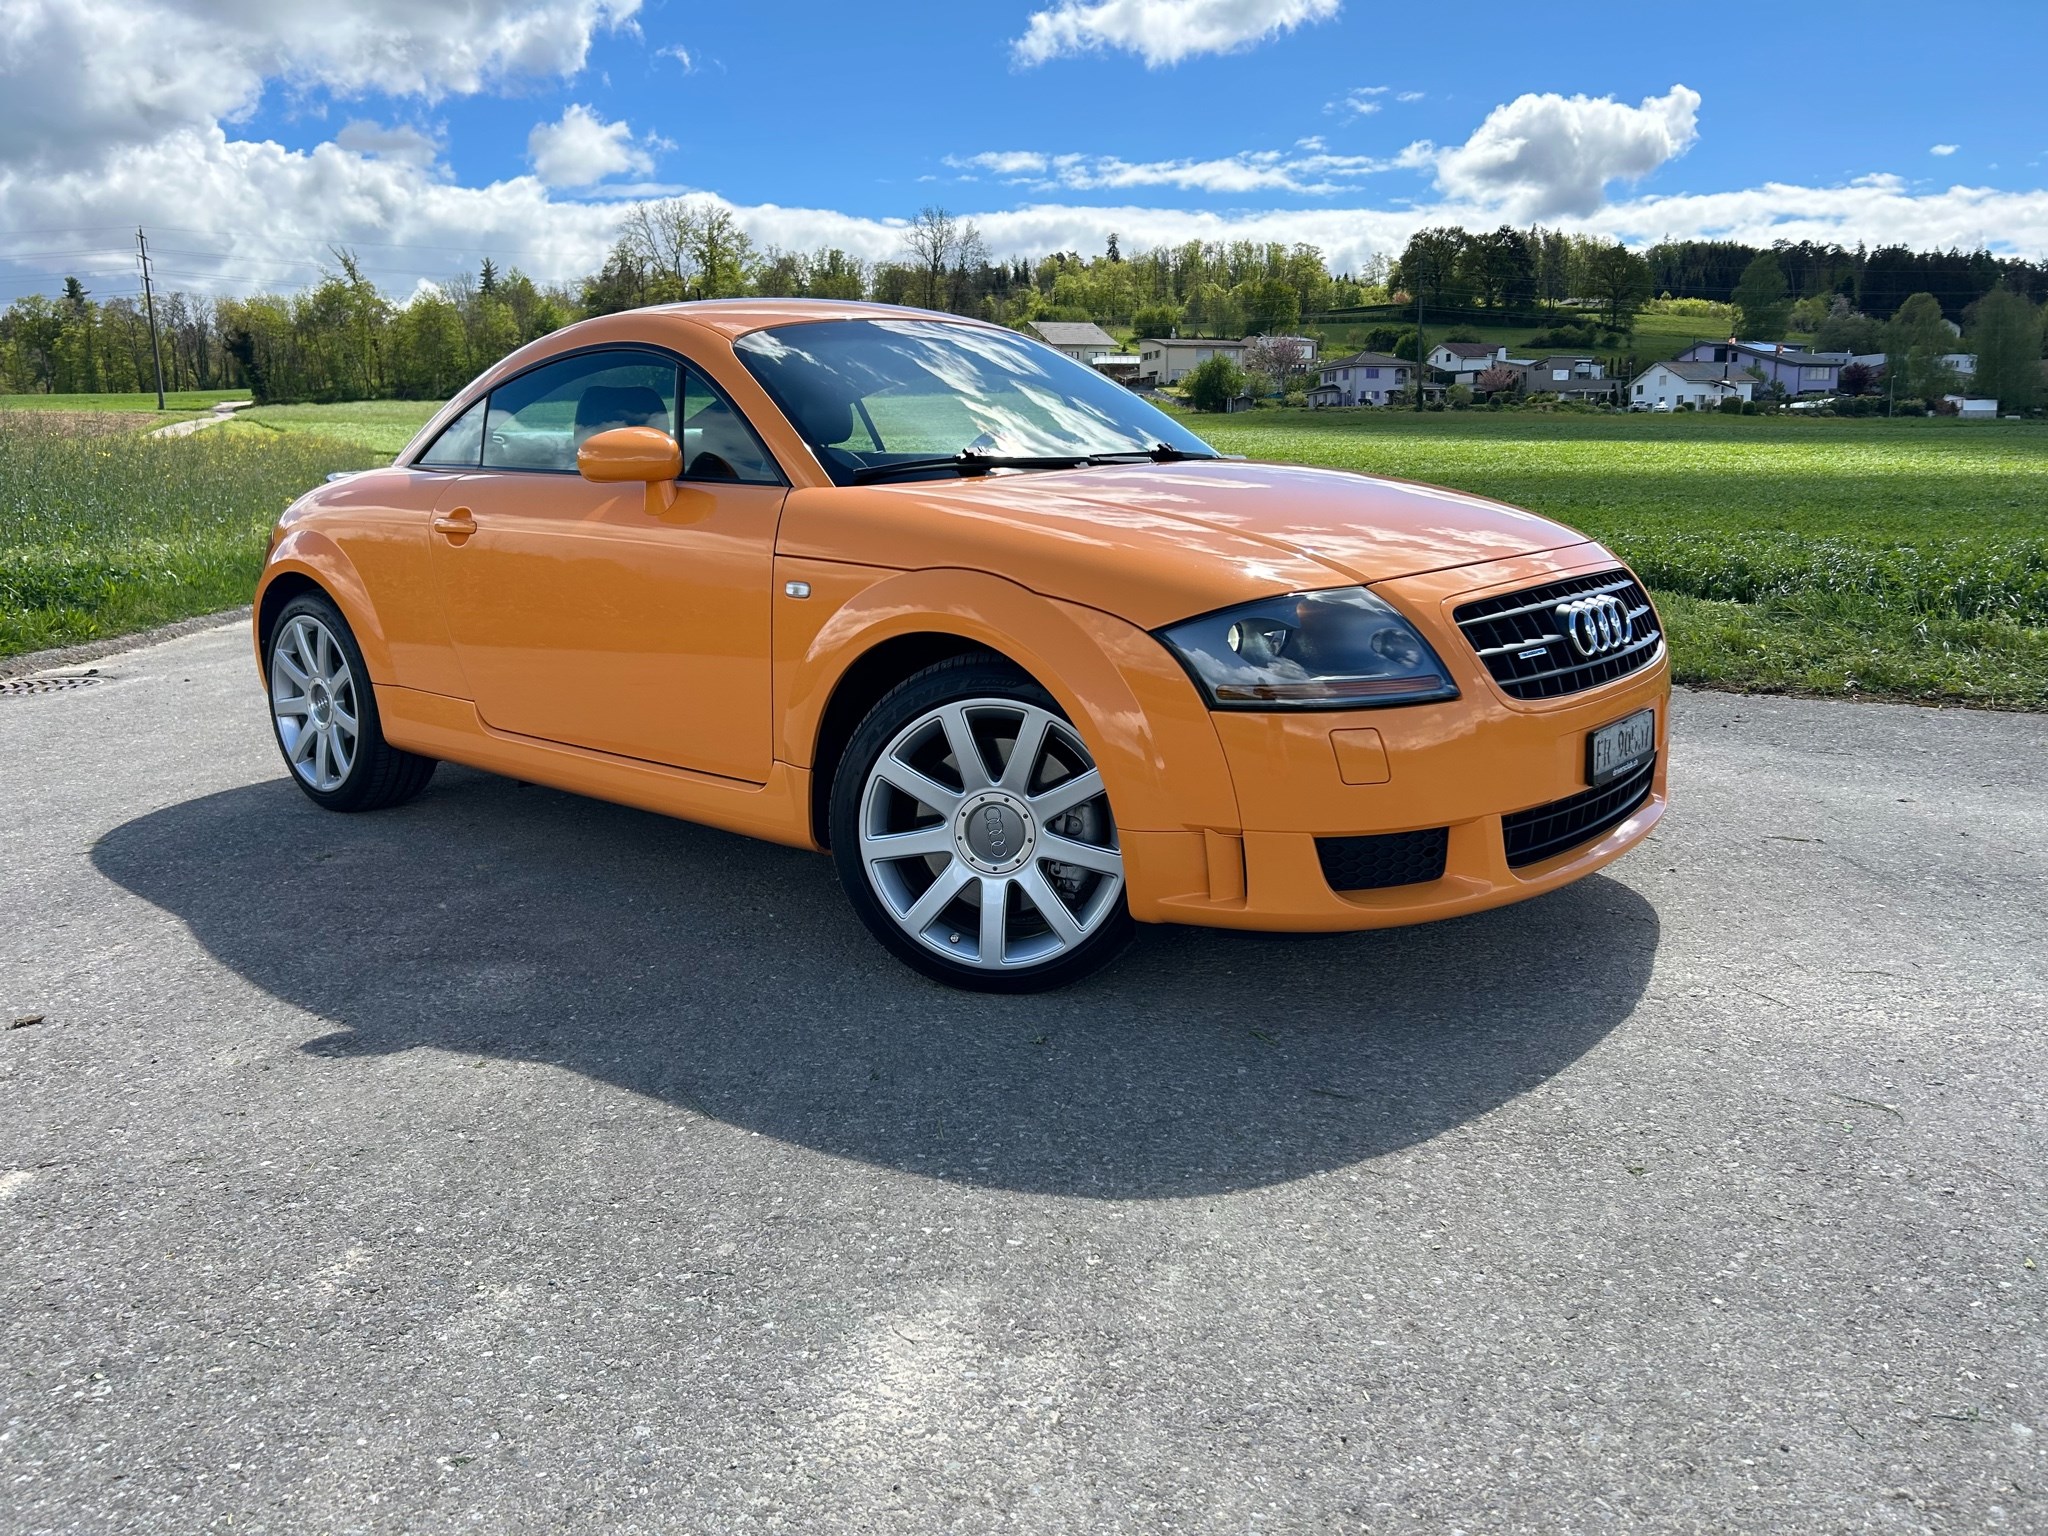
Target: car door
(579, 616)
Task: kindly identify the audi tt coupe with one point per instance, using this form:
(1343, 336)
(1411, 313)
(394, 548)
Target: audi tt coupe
(1028, 657)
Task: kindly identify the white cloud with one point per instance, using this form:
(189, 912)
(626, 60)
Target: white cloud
(1162, 32)
(82, 76)
(1357, 103)
(580, 149)
(1543, 157)
(1943, 149)
(680, 54)
(1410, 96)
(1314, 172)
(414, 146)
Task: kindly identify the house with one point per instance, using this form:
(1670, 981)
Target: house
(1703, 386)
(1121, 366)
(1566, 376)
(1082, 340)
(1364, 378)
(1466, 359)
(1168, 360)
(1793, 369)
(1962, 364)
(1971, 409)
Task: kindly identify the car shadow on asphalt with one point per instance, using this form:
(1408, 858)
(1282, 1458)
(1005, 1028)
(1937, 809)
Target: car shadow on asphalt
(730, 977)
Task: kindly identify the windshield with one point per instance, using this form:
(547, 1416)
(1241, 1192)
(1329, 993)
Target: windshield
(870, 394)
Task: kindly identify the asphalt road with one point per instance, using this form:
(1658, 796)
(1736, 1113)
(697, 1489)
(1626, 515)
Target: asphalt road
(514, 1163)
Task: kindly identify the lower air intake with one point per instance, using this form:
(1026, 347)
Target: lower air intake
(1389, 858)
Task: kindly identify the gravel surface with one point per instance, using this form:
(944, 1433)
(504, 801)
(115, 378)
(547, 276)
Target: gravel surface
(514, 1163)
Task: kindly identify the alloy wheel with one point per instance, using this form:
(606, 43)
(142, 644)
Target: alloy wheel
(986, 834)
(313, 696)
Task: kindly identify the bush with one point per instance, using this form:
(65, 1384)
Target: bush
(1732, 406)
(1211, 386)
(1460, 396)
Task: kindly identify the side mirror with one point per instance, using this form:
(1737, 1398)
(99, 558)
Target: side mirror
(624, 455)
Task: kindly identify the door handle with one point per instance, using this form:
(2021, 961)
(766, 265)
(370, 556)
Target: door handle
(457, 525)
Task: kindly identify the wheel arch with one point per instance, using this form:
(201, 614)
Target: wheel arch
(1135, 709)
(310, 562)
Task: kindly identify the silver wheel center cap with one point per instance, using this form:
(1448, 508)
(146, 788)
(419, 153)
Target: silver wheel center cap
(994, 832)
(321, 701)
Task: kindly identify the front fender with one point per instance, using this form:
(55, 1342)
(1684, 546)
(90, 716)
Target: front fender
(309, 553)
(1158, 753)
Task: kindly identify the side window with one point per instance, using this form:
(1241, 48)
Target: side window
(717, 442)
(460, 442)
(540, 419)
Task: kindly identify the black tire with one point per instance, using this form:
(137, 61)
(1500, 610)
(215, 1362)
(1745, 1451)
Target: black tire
(973, 677)
(378, 774)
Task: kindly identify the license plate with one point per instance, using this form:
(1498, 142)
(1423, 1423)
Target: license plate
(1616, 749)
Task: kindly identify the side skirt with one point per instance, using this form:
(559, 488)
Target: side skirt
(436, 725)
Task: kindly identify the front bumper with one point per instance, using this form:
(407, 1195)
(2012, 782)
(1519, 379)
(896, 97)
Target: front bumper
(1461, 765)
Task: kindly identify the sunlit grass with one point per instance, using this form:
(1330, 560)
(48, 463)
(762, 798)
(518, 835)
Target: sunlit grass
(103, 532)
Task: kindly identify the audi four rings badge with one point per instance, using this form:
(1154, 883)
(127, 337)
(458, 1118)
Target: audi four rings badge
(1598, 625)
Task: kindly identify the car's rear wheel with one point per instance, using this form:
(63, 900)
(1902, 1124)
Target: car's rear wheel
(324, 713)
(973, 834)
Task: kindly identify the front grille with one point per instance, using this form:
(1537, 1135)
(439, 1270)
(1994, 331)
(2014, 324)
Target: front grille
(1548, 830)
(1519, 637)
(1389, 858)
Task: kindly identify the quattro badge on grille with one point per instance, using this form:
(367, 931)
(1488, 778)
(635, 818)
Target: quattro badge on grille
(1597, 626)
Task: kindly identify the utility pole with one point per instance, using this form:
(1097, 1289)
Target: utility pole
(149, 301)
(1421, 349)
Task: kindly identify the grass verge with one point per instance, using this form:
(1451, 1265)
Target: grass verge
(107, 531)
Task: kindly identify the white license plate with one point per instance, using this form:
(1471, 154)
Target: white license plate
(1615, 749)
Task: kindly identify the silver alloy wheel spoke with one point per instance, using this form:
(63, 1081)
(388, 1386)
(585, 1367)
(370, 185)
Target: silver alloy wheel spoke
(951, 851)
(313, 697)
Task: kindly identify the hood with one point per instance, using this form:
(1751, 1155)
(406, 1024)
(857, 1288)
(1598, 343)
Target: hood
(1157, 542)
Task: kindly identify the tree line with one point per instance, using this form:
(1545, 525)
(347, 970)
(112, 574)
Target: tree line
(343, 338)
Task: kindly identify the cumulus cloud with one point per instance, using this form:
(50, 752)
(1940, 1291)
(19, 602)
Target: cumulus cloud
(1943, 149)
(83, 76)
(1357, 103)
(580, 149)
(1547, 156)
(1410, 96)
(1162, 32)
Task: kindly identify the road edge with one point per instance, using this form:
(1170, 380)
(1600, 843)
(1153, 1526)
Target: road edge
(98, 650)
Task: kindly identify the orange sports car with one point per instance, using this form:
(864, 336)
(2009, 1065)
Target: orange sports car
(1026, 655)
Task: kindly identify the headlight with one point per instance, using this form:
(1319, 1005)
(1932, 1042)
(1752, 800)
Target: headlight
(1343, 649)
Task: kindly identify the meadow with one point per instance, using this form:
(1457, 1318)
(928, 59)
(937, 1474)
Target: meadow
(1859, 558)
(104, 530)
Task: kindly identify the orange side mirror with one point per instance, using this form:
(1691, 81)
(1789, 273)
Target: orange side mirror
(623, 455)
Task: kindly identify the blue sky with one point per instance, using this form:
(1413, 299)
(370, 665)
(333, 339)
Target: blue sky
(430, 132)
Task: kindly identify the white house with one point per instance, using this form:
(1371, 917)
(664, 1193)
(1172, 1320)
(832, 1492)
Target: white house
(1467, 359)
(1971, 408)
(1703, 386)
(1364, 378)
(1962, 364)
(1082, 340)
(1168, 360)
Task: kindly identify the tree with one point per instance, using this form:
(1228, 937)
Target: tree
(2005, 333)
(1620, 280)
(1428, 268)
(935, 242)
(1500, 268)
(1918, 339)
(1762, 298)
(1211, 386)
(1858, 379)
(1279, 360)
(1159, 320)
(1499, 380)
(1846, 330)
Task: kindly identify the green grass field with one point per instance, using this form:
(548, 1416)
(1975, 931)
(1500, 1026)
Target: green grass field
(108, 531)
(1903, 559)
(1863, 558)
(1657, 336)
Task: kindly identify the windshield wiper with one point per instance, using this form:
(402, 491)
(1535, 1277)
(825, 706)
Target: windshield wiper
(967, 462)
(1158, 453)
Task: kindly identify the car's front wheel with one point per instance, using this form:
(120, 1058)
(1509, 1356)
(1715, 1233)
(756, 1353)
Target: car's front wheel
(973, 834)
(324, 712)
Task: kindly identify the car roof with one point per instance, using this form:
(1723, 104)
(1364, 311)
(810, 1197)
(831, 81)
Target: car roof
(736, 317)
